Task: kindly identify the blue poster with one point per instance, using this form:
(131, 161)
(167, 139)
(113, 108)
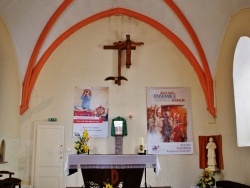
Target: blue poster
(91, 111)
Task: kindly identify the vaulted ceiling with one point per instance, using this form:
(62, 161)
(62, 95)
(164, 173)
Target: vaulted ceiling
(197, 28)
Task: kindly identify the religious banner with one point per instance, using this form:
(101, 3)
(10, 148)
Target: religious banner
(169, 125)
(91, 111)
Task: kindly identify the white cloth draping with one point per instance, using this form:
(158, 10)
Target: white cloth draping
(111, 161)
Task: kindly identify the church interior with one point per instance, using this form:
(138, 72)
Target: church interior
(50, 48)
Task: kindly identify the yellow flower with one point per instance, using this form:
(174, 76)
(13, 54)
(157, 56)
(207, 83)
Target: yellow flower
(85, 134)
(108, 186)
(81, 145)
(206, 179)
(76, 145)
(85, 148)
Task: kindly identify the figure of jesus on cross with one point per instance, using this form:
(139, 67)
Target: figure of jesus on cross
(127, 44)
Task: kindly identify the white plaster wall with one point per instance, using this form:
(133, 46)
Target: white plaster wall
(9, 101)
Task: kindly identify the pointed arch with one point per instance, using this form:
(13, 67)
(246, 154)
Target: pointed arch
(26, 83)
(209, 94)
(165, 31)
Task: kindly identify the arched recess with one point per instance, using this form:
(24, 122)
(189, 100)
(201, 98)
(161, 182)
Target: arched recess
(237, 73)
(29, 83)
(224, 74)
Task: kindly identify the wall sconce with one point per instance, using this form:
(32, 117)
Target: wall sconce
(130, 115)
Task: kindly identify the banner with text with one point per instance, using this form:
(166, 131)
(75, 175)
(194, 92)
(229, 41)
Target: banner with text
(169, 121)
(91, 111)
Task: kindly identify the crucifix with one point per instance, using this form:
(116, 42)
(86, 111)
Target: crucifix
(127, 45)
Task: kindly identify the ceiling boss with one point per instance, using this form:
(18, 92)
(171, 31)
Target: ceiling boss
(127, 45)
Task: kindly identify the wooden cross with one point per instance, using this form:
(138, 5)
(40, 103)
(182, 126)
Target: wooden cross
(127, 45)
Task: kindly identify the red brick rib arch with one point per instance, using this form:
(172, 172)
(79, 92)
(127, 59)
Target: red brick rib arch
(29, 81)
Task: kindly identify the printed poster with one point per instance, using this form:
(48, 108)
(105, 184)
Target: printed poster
(169, 127)
(91, 111)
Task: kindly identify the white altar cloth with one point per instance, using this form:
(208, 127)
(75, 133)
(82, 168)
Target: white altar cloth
(111, 161)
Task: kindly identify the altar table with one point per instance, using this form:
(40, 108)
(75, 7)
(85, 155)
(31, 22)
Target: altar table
(119, 170)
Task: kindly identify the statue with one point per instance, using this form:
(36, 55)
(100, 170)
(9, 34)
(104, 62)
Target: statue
(211, 156)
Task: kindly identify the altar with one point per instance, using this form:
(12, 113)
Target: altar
(117, 170)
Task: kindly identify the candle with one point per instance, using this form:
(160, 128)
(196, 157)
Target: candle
(141, 145)
(141, 141)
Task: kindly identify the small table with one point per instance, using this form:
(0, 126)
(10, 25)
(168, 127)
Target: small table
(114, 169)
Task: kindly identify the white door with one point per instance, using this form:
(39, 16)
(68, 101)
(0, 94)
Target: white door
(49, 155)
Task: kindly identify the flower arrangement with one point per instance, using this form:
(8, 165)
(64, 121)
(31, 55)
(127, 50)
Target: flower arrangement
(107, 185)
(207, 180)
(81, 145)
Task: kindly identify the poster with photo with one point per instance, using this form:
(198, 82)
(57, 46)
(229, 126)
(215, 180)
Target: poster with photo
(169, 127)
(91, 111)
